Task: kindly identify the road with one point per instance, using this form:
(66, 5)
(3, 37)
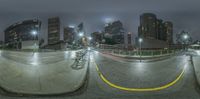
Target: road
(135, 75)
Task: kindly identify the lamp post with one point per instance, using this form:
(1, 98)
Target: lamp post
(140, 41)
(89, 40)
(80, 34)
(34, 33)
(185, 38)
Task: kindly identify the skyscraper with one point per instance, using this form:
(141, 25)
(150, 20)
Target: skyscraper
(18, 33)
(69, 35)
(53, 30)
(129, 40)
(97, 37)
(161, 35)
(153, 28)
(168, 29)
(147, 26)
(115, 31)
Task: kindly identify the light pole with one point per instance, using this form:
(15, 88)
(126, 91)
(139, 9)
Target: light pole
(81, 34)
(89, 39)
(34, 33)
(140, 41)
(185, 37)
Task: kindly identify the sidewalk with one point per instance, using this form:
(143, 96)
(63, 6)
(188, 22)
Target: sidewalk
(196, 62)
(43, 77)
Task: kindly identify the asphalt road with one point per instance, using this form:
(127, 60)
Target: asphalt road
(136, 75)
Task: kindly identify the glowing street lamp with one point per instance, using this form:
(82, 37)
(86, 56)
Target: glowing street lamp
(140, 41)
(34, 33)
(89, 38)
(81, 34)
(185, 36)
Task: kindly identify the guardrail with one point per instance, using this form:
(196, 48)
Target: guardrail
(144, 52)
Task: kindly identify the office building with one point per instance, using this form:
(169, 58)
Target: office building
(23, 34)
(153, 28)
(169, 31)
(147, 28)
(69, 35)
(53, 30)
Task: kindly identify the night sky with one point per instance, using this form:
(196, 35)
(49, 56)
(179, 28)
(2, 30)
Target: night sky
(185, 14)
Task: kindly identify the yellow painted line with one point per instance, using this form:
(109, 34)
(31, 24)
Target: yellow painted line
(139, 89)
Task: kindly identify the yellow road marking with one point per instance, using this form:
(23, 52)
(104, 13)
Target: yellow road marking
(139, 89)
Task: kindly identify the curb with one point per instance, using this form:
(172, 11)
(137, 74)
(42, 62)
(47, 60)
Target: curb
(143, 60)
(197, 83)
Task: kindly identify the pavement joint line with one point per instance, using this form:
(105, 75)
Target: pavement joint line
(139, 89)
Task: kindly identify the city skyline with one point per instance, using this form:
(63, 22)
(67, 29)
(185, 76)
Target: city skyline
(99, 49)
(94, 19)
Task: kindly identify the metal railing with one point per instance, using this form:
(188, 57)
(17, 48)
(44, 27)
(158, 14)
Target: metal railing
(145, 52)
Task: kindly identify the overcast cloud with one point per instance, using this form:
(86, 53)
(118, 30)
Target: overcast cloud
(185, 14)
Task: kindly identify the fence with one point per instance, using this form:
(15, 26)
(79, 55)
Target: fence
(145, 52)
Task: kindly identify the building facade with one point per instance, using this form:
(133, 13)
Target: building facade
(147, 28)
(69, 35)
(97, 37)
(53, 30)
(130, 40)
(19, 33)
(152, 28)
(169, 31)
(115, 32)
(161, 35)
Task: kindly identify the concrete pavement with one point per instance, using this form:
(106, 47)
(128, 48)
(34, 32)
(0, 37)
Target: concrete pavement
(40, 73)
(185, 88)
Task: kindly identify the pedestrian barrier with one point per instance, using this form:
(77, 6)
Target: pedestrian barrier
(145, 52)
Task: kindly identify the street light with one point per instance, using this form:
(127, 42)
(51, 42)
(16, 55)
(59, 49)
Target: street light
(140, 41)
(90, 38)
(185, 37)
(34, 33)
(81, 34)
